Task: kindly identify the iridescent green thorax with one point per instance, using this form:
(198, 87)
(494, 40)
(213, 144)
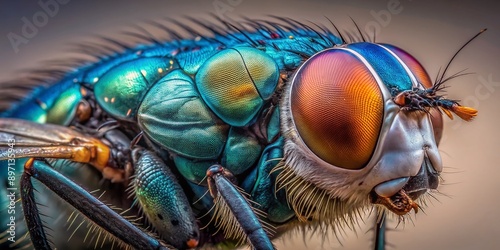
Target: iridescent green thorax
(300, 126)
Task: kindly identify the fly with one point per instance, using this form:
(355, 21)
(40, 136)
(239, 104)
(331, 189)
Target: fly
(223, 140)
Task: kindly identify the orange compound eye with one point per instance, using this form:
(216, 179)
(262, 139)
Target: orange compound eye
(338, 108)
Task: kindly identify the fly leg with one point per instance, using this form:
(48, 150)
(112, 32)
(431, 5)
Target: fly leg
(220, 184)
(80, 199)
(380, 230)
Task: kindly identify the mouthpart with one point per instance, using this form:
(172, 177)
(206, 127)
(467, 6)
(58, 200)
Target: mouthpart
(399, 195)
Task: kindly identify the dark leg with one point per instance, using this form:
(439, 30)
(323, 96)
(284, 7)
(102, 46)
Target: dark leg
(31, 214)
(84, 202)
(380, 228)
(220, 185)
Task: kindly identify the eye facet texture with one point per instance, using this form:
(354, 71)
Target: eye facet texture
(414, 66)
(338, 108)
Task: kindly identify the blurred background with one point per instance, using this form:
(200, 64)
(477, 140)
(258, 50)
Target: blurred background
(465, 217)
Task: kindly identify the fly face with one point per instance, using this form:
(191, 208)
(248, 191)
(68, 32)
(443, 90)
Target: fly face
(362, 124)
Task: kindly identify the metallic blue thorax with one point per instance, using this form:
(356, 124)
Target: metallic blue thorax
(205, 101)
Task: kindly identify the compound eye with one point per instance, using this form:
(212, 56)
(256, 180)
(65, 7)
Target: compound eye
(415, 67)
(338, 108)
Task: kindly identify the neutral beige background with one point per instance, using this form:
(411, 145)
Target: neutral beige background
(468, 216)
